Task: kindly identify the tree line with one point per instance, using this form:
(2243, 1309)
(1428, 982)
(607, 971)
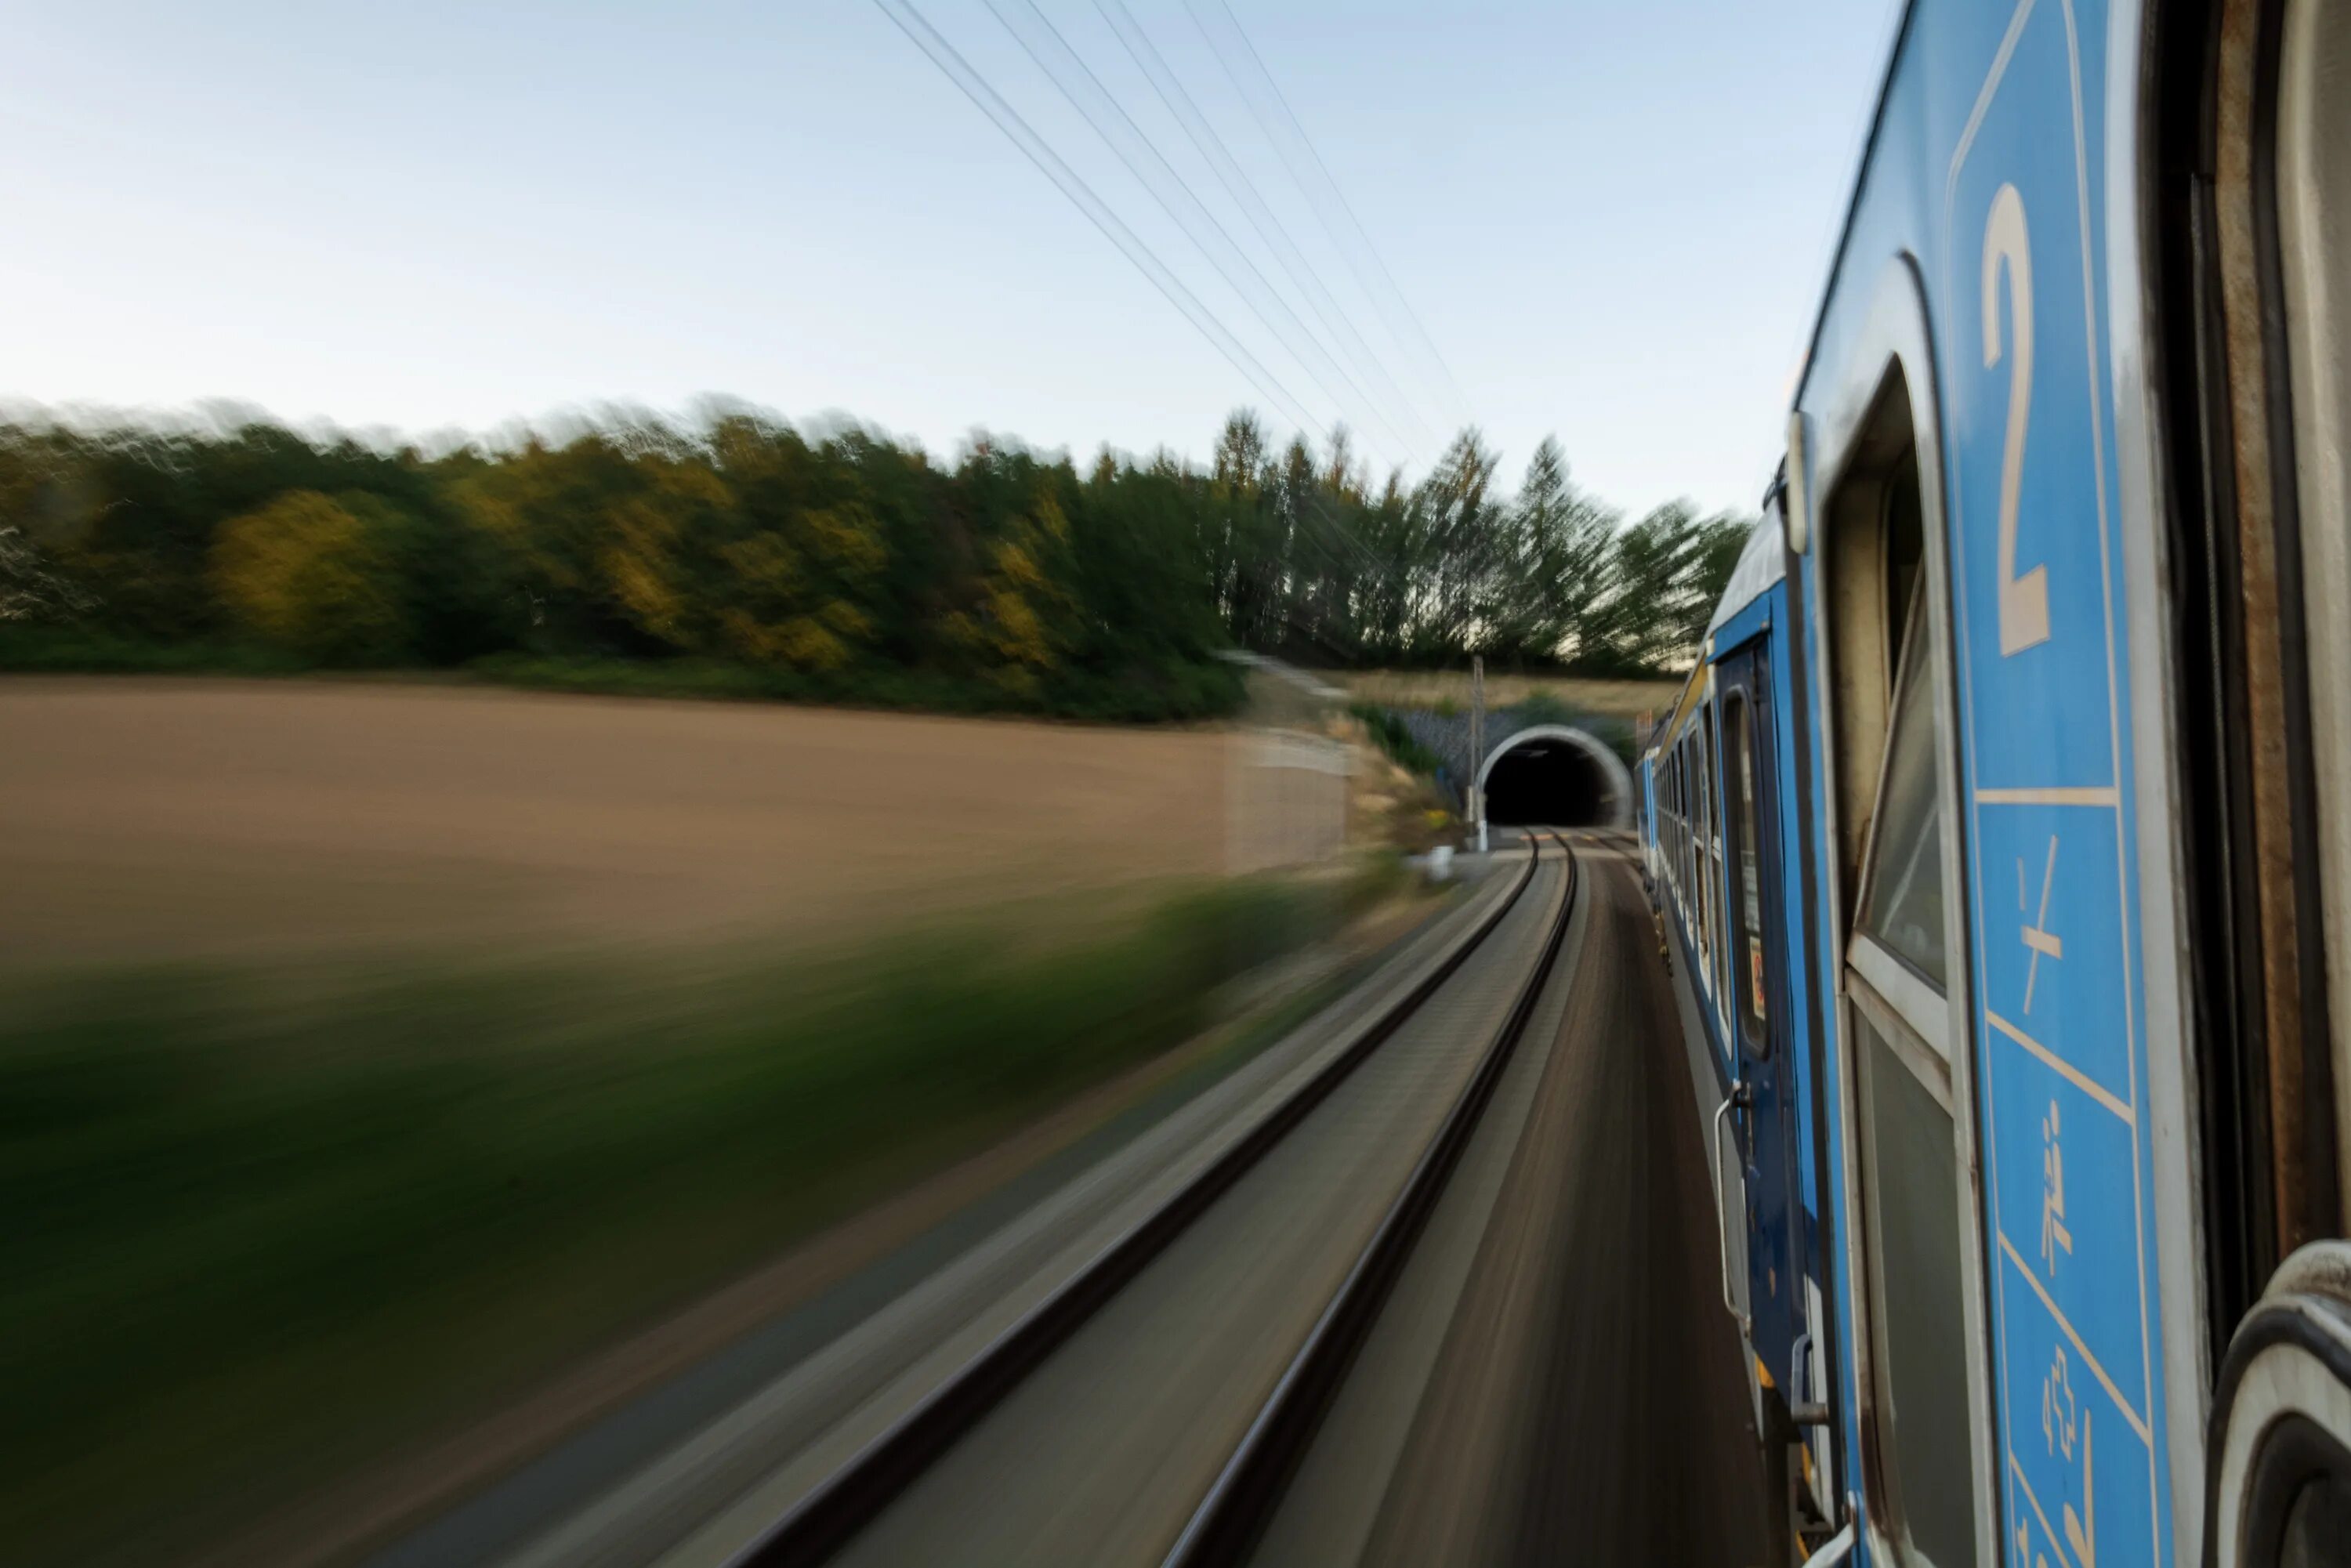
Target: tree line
(844, 566)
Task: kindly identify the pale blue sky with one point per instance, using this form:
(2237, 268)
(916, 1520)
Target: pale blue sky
(1612, 218)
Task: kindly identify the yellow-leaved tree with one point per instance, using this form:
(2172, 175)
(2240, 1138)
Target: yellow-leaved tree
(795, 582)
(313, 576)
(650, 536)
(790, 589)
(1014, 633)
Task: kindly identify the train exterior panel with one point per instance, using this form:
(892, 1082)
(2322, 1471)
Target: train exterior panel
(1974, 252)
(1988, 1012)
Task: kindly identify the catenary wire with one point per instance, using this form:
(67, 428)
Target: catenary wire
(1269, 228)
(1134, 147)
(975, 87)
(1320, 189)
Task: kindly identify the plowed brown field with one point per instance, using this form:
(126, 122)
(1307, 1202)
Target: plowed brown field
(164, 819)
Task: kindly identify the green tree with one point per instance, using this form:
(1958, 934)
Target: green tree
(1467, 556)
(1563, 544)
(1141, 591)
(1016, 629)
(541, 516)
(804, 560)
(1244, 534)
(1670, 570)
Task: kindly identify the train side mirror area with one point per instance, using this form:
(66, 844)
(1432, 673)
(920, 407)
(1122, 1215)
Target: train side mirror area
(2281, 1436)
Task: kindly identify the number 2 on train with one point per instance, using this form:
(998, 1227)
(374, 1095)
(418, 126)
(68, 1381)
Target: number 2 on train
(2023, 599)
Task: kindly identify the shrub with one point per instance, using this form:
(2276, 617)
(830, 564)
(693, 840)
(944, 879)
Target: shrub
(1394, 739)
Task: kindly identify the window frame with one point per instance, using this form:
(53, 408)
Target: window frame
(1924, 1007)
(1718, 882)
(1896, 994)
(1690, 907)
(1672, 845)
(1754, 1022)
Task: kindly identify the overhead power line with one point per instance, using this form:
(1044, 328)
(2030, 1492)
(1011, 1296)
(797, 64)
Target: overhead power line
(1134, 148)
(975, 87)
(1269, 228)
(1339, 220)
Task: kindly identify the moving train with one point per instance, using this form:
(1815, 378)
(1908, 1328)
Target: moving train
(2001, 836)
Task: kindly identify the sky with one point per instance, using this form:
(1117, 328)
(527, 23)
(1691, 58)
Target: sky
(1604, 220)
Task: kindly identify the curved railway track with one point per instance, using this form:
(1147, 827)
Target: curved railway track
(1236, 1506)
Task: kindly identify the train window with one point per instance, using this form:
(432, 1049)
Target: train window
(1673, 840)
(1892, 770)
(1904, 546)
(1876, 532)
(1909, 1134)
(1914, 1257)
(1682, 829)
(1664, 810)
(1674, 845)
(1902, 900)
(1693, 824)
(1686, 826)
(1746, 894)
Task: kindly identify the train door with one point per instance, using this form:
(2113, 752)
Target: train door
(1915, 1245)
(1757, 1012)
(1719, 882)
(1707, 856)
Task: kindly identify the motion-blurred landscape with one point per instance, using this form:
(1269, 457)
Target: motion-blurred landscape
(382, 1042)
(493, 914)
(369, 1052)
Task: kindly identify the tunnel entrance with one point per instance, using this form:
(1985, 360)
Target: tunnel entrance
(1544, 781)
(1555, 777)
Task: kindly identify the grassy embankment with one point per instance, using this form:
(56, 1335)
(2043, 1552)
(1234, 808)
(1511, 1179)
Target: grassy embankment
(1438, 688)
(262, 1226)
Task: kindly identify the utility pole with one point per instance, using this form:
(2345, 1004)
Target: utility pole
(1477, 746)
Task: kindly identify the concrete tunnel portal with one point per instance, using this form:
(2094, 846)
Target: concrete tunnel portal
(1558, 775)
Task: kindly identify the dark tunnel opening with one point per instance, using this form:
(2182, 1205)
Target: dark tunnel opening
(1554, 783)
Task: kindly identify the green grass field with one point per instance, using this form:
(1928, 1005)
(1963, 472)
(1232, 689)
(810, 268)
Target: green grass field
(264, 1223)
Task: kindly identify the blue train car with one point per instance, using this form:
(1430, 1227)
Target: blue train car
(1721, 787)
(2002, 832)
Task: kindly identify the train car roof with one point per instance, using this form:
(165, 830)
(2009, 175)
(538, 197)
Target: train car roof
(1693, 690)
(1763, 562)
(1892, 58)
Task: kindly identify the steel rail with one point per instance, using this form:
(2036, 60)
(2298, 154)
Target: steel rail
(1242, 1501)
(825, 1519)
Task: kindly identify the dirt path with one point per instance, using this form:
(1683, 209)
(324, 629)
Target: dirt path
(143, 818)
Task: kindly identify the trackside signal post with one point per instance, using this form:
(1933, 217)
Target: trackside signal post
(1478, 746)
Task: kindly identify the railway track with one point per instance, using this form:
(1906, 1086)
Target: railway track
(1511, 951)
